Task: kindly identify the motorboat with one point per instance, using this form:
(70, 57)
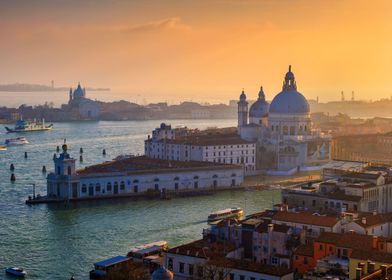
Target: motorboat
(3, 148)
(29, 126)
(16, 141)
(235, 212)
(15, 271)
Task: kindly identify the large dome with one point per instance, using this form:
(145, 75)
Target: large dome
(259, 109)
(289, 100)
(162, 274)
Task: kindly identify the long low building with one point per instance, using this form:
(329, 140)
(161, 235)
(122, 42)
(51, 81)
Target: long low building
(133, 176)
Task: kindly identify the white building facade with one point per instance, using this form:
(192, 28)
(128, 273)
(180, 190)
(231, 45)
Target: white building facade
(125, 178)
(224, 149)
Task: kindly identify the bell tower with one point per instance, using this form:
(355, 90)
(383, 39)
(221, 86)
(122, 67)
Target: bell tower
(64, 164)
(242, 111)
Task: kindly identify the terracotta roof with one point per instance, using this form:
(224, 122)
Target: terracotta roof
(143, 164)
(341, 196)
(263, 228)
(258, 267)
(373, 220)
(305, 218)
(203, 249)
(347, 240)
(305, 250)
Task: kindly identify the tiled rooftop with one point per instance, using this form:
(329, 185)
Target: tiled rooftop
(307, 218)
(145, 164)
(347, 240)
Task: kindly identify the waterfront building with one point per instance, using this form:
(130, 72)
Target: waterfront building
(286, 140)
(139, 175)
(81, 107)
(222, 146)
(365, 191)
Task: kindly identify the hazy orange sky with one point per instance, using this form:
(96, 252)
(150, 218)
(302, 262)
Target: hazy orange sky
(200, 50)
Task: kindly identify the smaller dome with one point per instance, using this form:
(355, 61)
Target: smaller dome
(162, 274)
(243, 96)
(260, 108)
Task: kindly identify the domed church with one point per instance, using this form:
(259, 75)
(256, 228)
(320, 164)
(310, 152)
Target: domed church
(286, 140)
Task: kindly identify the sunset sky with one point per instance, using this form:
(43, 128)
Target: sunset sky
(200, 50)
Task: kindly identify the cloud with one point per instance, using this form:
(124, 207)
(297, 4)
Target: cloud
(164, 24)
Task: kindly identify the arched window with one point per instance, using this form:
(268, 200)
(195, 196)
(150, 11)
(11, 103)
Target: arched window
(215, 176)
(109, 187)
(292, 130)
(176, 178)
(122, 185)
(156, 180)
(196, 177)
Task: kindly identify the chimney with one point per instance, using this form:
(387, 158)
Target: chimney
(358, 272)
(364, 220)
(375, 240)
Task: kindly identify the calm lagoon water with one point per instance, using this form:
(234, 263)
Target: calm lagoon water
(52, 241)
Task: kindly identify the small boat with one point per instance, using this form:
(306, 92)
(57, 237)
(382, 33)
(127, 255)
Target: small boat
(15, 271)
(16, 141)
(3, 148)
(29, 126)
(235, 212)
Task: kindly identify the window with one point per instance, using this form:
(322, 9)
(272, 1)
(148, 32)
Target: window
(109, 187)
(176, 186)
(84, 188)
(170, 264)
(215, 183)
(320, 247)
(242, 277)
(274, 261)
(196, 184)
(200, 271)
(156, 187)
(190, 269)
(305, 260)
(231, 276)
(98, 187)
(135, 189)
(69, 170)
(122, 185)
(181, 269)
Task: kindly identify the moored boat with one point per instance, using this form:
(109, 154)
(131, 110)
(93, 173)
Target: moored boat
(3, 148)
(235, 212)
(29, 126)
(16, 141)
(15, 271)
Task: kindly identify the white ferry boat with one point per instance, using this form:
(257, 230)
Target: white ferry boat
(16, 141)
(235, 212)
(28, 126)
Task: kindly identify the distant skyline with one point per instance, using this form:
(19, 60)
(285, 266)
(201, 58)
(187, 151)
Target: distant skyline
(205, 51)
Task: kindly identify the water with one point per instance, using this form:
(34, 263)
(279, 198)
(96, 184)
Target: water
(52, 242)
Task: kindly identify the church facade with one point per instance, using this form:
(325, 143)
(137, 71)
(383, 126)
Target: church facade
(286, 140)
